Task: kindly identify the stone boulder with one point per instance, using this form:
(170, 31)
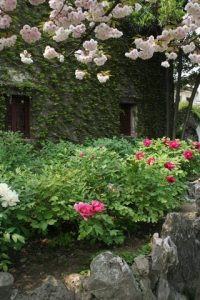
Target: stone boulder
(51, 289)
(184, 230)
(111, 279)
(6, 285)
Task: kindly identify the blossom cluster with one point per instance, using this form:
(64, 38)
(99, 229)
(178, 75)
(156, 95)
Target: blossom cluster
(86, 210)
(7, 196)
(171, 40)
(72, 21)
(80, 18)
(172, 146)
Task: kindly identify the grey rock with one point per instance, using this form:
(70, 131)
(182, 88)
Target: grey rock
(164, 254)
(6, 285)
(142, 265)
(51, 289)
(166, 292)
(183, 229)
(111, 278)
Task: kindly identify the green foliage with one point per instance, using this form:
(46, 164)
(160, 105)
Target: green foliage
(195, 108)
(120, 145)
(51, 182)
(129, 256)
(14, 151)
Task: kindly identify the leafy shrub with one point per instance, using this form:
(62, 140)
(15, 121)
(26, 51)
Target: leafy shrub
(120, 145)
(133, 187)
(14, 151)
(56, 152)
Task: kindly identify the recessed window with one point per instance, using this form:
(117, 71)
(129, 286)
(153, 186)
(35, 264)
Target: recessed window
(18, 110)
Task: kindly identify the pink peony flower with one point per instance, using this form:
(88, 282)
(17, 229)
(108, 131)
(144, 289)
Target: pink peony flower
(150, 160)
(81, 154)
(84, 209)
(139, 155)
(173, 144)
(188, 154)
(170, 179)
(97, 206)
(147, 142)
(169, 165)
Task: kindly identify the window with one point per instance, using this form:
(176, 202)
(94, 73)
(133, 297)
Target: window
(17, 119)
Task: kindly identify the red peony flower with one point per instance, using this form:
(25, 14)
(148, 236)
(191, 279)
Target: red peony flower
(139, 155)
(196, 145)
(150, 160)
(170, 179)
(173, 144)
(169, 165)
(147, 142)
(188, 154)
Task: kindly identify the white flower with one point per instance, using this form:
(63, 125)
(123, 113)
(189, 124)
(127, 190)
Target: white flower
(100, 60)
(61, 58)
(26, 57)
(165, 64)
(7, 196)
(102, 77)
(80, 74)
(171, 55)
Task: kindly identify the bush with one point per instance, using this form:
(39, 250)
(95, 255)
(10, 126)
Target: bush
(14, 151)
(134, 185)
(120, 145)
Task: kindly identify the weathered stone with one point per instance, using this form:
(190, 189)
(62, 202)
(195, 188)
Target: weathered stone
(164, 254)
(142, 264)
(166, 292)
(194, 192)
(6, 285)
(51, 289)
(111, 278)
(184, 231)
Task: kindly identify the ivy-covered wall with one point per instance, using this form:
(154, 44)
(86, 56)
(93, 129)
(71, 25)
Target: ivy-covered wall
(63, 107)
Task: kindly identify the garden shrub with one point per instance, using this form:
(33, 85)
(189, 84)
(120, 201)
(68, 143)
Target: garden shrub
(14, 151)
(120, 145)
(137, 185)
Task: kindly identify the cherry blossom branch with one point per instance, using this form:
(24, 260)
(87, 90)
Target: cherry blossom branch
(92, 29)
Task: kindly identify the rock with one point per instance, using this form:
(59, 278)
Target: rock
(164, 254)
(142, 265)
(141, 269)
(6, 285)
(194, 193)
(184, 230)
(111, 279)
(166, 292)
(51, 289)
